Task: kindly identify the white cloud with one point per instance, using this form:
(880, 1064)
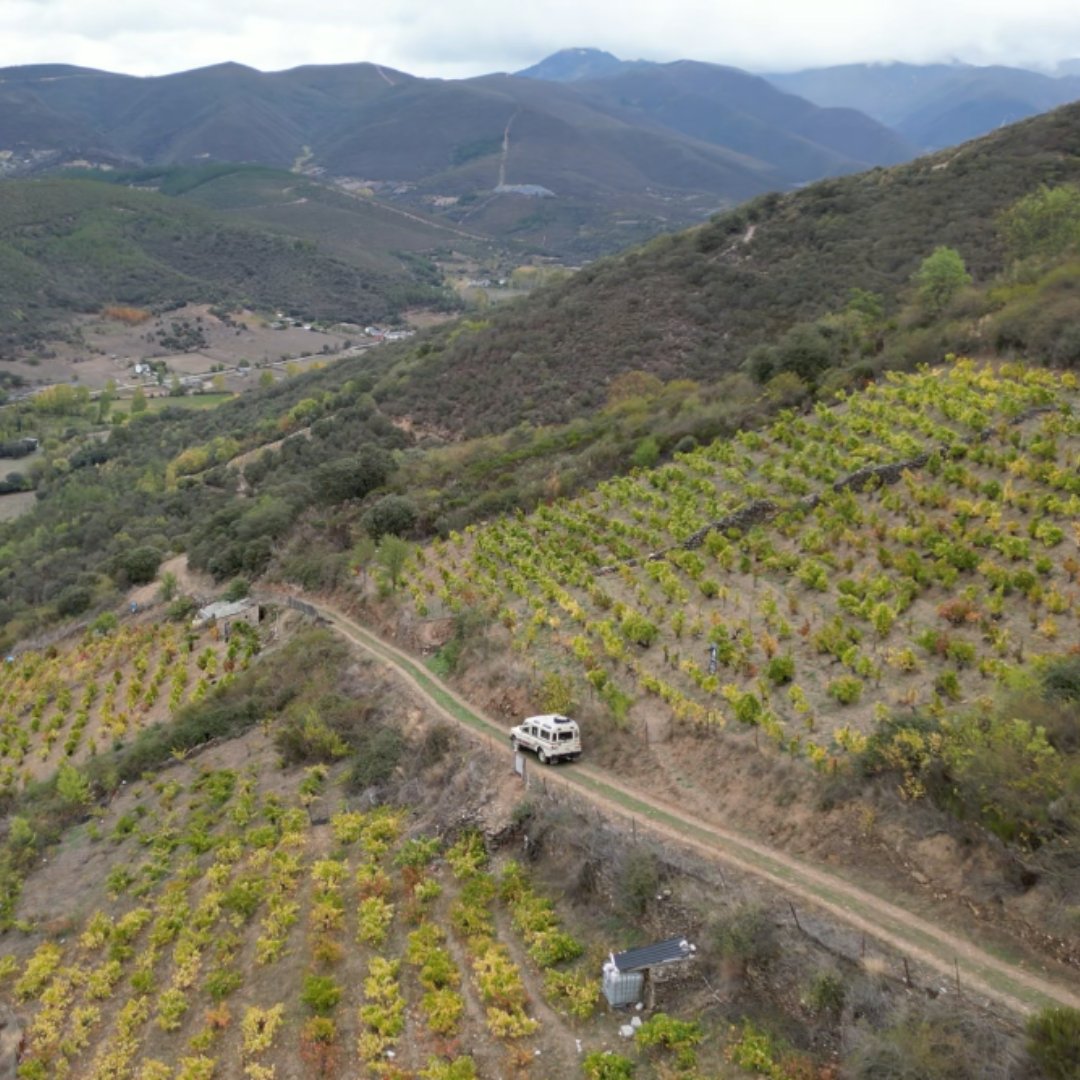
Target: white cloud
(468, 37)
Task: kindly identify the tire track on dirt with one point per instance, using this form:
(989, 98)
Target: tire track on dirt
(928, 945)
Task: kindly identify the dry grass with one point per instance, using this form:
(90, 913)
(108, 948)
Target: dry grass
(131, 315)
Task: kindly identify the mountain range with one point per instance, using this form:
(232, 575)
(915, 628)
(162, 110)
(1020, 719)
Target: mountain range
(579, 168)
(935, 105)
(930, 105)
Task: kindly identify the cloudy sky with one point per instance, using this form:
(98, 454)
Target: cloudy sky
(470, 37)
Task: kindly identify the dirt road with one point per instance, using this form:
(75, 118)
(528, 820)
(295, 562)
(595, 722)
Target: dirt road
(924, 944)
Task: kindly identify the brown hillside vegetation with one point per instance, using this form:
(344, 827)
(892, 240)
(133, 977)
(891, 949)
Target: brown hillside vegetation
(694, 304)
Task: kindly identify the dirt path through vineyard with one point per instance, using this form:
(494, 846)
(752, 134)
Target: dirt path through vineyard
(934, 956)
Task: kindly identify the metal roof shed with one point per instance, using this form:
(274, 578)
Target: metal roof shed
(663, 952)
(627, 975)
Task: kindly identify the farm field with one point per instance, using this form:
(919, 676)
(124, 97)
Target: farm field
(247, 928)
(907, 548)
(190, 401)
(61, 706)
(108, 348)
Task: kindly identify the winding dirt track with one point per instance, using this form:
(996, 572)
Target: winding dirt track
(937, 952)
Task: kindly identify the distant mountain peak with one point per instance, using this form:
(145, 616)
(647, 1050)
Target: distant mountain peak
(575, 64)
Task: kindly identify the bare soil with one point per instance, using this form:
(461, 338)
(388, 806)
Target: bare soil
(102, 349)
(189, 583)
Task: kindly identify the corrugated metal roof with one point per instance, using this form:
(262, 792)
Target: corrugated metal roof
(663, 952)
(225, 609)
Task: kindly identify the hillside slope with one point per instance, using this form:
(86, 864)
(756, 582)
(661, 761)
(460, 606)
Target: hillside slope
(728, 107)
(70, 246)
(694, 305)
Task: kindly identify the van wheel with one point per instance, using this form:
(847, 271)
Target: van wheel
(542, 755)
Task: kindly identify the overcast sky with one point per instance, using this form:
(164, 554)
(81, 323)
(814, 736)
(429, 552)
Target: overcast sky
(471, 37)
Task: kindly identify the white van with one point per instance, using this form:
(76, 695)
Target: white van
(552, 737)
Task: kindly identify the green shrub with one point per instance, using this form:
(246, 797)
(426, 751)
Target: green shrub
(1053, 1040)
(181, 609)
(748, 708)
(679, 1036)
(604, 1065)
(637, 881)
(552, 947)
(1061, 679)
(846, 690)
(573, 993)
(780, 670)
(638, 630)
(948, 685)
(141, 565)
(238, 589)
(392, 515)
(826, 993)
(746, 934)
(378, 754)
(309, 738)
(221, 982)
(74, 600)
(646, 453)
(461, 1068)
(320, 994)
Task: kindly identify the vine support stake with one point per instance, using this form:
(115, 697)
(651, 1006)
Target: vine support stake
(795, 916)
(907, 973)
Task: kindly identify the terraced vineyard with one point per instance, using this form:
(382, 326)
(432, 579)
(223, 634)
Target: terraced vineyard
(908, 547)
(59, 706)
(253, 938)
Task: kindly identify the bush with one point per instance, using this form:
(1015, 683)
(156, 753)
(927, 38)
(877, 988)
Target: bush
(181, 609)
(460, 1068)
(141, 565)
(746, 934)
(781, 669)
(320, 994)
(1061, 679)
(604, 1065)
(637, 882)
(826, 993)
(679, 1036)
(221, 982)
(74, 600)
(638, 630)
(238, 589)
(846, 690)
(1054, 1042)
(646, 453)
(393, 515)
(104, 624)
(378, 755)
(309, 739)
(353, 477)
